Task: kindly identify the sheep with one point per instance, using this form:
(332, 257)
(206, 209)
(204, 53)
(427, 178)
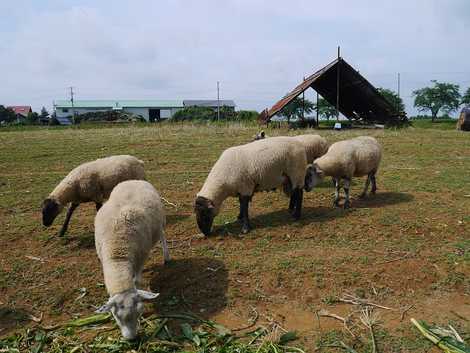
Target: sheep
(346, 159)
(241, 171)
(259, 136)
(89, 182)
(315, 146)
(126, 228)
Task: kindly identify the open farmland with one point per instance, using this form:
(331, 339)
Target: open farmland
(407, 248)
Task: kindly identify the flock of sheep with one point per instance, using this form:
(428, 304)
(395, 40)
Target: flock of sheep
(131, 217)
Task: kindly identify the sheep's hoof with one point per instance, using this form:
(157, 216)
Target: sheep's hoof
(246, 229)
(296, 216)
(346, 205)
(373, 192)
(336, 203)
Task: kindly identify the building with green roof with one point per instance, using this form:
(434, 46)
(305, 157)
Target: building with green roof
(150, 110)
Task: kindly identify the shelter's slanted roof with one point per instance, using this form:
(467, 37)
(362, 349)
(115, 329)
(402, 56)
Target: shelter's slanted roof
(358, 98)
(126, 103)
(208, 103)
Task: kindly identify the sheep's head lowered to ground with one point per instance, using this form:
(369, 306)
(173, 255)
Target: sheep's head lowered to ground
(127, 307)
(205, 213)
(50, 210)
(313, 177)
(259, 136)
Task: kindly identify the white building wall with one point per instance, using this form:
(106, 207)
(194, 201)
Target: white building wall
(66, 112)
(165, 113)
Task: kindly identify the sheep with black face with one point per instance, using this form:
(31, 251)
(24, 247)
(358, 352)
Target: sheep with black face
(241, 171)
(90, 182)
(346, 159)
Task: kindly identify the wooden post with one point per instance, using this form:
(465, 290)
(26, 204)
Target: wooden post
(337, 84)
(303, 106)
(318, 124)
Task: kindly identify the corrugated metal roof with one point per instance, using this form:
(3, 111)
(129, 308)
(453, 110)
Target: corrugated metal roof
(208, 103)
(124, 103)
(358, 98)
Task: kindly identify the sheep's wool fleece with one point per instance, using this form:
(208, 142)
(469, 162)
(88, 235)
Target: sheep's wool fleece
(94, 181)
(257, 166)
(351, 158)
(126, 228)
(315, 146)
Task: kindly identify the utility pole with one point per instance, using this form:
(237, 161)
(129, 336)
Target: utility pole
(71, 101)
(218, 102)
(337, 83)
(398, 102)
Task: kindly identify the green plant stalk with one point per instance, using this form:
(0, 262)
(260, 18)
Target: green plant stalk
(90, 320)
(441, 342)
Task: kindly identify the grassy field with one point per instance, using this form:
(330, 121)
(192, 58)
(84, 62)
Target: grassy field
(407, 248)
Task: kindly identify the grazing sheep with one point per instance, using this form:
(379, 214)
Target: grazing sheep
(126, 228)
(257, 166)
(259, 136)
(90, 182)
(346, 159)
(315, 146)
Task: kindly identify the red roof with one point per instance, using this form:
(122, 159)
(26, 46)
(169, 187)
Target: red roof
(21, 109)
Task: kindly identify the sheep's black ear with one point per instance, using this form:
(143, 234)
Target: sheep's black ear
(262, 134)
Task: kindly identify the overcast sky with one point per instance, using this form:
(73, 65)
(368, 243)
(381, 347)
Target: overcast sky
(258, 50)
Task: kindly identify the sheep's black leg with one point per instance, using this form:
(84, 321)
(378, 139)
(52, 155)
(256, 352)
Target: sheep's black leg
(240, 214)
(366, 186)
(98, 206)
(347, 183)
(337, 188)
(292, 203)
(244, 203)
(374, 184)
(299, 194)
(72, 208)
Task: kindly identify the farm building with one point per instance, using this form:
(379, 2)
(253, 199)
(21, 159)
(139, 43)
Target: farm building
(343, 87)
(21, 111)
(150, 110)
(209, 103)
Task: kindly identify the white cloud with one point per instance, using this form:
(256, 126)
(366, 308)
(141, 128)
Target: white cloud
(258, 50)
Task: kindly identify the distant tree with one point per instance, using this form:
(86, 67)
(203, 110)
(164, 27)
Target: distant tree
(296, 108)
(7, 115)
(466, 97)
(325, 109)
(393, 98)
(32, 118)
(441, 95)
(44, 113)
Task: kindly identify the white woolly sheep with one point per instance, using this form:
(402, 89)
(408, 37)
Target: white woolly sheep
(126, 228)
(257, 166)
(347, 159)
(90, 182)
(315, 146)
